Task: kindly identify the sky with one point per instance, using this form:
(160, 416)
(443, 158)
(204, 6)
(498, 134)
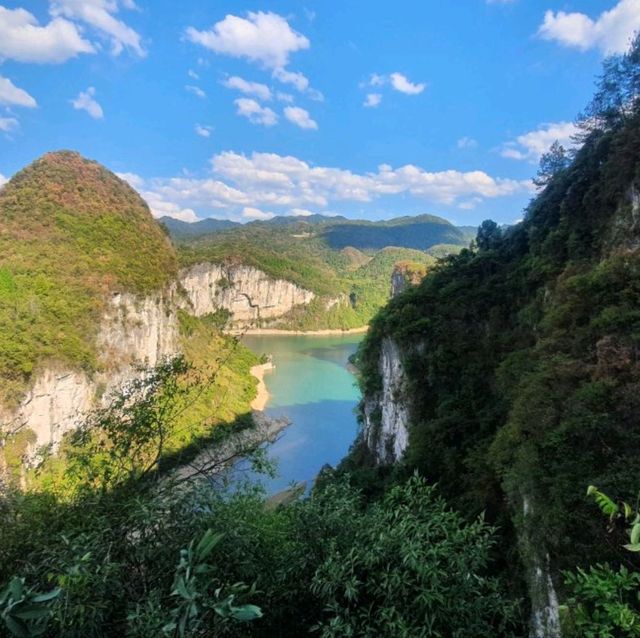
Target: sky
(369, 109)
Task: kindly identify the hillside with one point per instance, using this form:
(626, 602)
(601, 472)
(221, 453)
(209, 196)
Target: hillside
(514, 368)
(71, 233)
(352, 281)
(179, 229)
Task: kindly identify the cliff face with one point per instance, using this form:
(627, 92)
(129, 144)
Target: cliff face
(133, 332)
(526, 388)
(247, 293)
(386, 414)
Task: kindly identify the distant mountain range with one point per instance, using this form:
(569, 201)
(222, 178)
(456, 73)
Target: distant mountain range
(420, 232)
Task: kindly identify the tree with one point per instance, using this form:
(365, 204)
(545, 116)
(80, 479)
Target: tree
(554, 161)
(489, 235)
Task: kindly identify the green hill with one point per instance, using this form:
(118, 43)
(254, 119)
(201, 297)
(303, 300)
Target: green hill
(347, 263)
(522, 356)
(71, 232)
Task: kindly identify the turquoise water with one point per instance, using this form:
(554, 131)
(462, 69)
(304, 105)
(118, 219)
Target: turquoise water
(313, 388)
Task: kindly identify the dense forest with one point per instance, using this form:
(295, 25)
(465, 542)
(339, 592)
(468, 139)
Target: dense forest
(523, 376)
(346, 263)
(522, 365)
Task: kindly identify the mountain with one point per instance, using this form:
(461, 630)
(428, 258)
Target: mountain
(511, 375)
(179, 229)
(71, 234)
(420, 232)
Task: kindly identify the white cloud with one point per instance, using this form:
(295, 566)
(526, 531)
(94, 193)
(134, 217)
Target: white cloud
(193, 75)
(300, 117)
(255, 113)
(99, 14)
(300, 212)
(23, 39)
(372, 100)
(135, 181)
(11, 95)
(400, 83)
(377, 80)
(86, 102)
(284, 97)
(203, 130)
(3, 180)
(610, 32)
(159, 206)
(286, 184)
(196, 90)
(530, 146)
(8, 124)
(466, 142)
(261, 91)
(249, 212)
(261, 37)
(295, 78)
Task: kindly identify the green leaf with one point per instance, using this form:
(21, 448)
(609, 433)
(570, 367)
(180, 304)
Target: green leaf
(208, 541)
(606, 505)
(246, 613)
(635, 534)
(50, 595)
(633, 547)
(16, 627)
(30, 612)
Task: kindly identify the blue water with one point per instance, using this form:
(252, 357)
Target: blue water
(312, 387)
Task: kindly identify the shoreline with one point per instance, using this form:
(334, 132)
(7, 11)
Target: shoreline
(276, 332)
(263, 396)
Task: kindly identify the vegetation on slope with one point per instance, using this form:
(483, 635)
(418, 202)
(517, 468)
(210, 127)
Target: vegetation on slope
(527, 383)
(118, 552)
(351, 285)
(70, 233)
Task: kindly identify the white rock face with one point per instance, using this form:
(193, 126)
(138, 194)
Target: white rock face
(133, 332)
(386, 416)
(249, 294)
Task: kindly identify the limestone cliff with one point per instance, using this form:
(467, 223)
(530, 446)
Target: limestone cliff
(133, 332)
(386, 414)
(248, 294)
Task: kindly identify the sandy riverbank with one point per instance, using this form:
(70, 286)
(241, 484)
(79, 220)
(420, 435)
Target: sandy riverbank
(262, 398)
(300, 333)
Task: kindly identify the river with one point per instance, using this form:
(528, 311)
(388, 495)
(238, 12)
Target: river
(312, 387)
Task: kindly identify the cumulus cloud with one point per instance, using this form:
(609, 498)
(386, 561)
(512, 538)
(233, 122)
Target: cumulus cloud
(86, 102)
(203, 130)
(159, 206)
(530, 146)
(3, 180)
(193, 75)
(466, 143)
(300, 117)
(262, 37)
(249, 212)
(284, 97)
(372, 100)
(261, 91)
(254, 112)
(401, 83)
(100, 15)
(238, 185)
(23, 39)
(7, 124)
(610, 32)
(196, 90)
(11, 95)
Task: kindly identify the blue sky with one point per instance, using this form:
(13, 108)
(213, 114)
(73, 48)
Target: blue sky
(367, 109)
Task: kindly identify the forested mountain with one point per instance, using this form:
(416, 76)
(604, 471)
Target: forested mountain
(520, 362)
(347, 264)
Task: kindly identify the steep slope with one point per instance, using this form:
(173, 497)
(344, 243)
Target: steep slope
(179, 229)
(71, 235)
(328, 288)
(511, 375)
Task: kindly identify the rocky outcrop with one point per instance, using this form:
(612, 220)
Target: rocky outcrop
(246, 292)
(133, 332)
(406, 273)
(386, 415)
(398, 282)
